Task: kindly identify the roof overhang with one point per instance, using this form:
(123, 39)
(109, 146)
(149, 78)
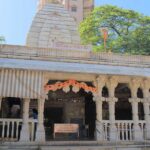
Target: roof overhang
(73, 67)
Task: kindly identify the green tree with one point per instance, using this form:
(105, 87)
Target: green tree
(128, 31)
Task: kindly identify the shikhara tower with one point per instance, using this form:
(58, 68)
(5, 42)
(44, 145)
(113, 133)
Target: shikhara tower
(52, 24)
(79, 9)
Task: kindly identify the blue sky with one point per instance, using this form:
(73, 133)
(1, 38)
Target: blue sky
(16, 15)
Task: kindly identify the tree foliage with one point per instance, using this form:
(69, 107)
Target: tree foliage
(128, 31)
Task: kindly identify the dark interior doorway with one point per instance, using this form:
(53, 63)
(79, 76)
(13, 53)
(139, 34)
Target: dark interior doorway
(123, 109)
(52, 115)
(11, 108)
(70, 107)
(90, 115)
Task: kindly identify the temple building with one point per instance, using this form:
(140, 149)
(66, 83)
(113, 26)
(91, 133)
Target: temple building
(55, 89)
(79, 9)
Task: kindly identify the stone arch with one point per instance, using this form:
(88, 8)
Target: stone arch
(140, 92)
(105, 91)
(66, 95)
(123, 108)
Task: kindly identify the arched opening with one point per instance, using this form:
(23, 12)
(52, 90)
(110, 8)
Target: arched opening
(140, 104)
(123, 109)
(68, 106)
(105, 106)
(11, 108)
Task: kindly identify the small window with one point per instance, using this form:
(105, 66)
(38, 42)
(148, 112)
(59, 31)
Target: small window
(73, 8)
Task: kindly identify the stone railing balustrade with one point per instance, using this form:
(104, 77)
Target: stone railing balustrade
(32, 128)
(10, 129)
(124, 129)
(106, 128)
(23, 52)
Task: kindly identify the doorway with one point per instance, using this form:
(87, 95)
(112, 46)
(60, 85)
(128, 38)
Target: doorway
(52, 115)
(70, 107)
(123, 109)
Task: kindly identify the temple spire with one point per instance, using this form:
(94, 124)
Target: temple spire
(42, 3)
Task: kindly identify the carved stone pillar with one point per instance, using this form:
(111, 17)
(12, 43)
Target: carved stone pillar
(138, 136)
(146, 104)
(99, 83)
(113, 129)
(0, 103)
(99, 123)
(25, 126)
(137, 132)
(112, 84)
(40, 133)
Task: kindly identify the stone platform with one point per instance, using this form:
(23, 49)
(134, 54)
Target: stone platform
(75, 145)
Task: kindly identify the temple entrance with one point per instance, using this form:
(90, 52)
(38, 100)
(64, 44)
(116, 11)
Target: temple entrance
(52, 115)
(70, 108)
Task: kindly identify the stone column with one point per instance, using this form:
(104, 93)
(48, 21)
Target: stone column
(0, 103)
(99, 83)
(112, 84)
(113, 129)
(25, 137)
(146, 104)
(99, 123)
(137, 132)
(40, 133)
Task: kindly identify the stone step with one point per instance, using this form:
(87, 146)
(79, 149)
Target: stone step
(74, 145)
(73, 148)
(87, 148)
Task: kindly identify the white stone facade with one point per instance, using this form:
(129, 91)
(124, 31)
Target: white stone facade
(52, 24)
(25, 70)
(79, 9)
